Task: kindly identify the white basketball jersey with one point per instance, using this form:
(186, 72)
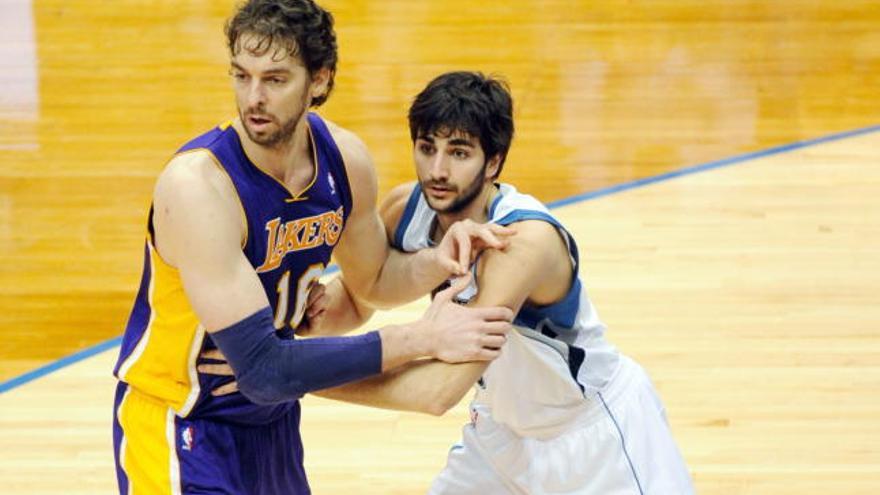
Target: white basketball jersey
(550, 368)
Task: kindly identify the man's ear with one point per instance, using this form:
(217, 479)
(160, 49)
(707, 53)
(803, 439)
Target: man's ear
(320, 83)
(493, 166)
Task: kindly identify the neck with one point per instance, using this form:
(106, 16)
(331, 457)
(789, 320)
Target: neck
(283, 159)
(477, 210)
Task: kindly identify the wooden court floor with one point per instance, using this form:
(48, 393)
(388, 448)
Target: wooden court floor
(749, 292)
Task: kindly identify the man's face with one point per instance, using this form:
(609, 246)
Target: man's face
(272, 91)
(452, 169)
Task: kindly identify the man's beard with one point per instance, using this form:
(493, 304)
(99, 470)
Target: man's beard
(273, 140)
(463, 200)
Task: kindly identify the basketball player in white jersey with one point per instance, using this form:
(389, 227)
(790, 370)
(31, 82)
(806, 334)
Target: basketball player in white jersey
(561, 411)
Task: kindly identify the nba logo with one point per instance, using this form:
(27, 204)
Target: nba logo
(187, 436)
(332, 184)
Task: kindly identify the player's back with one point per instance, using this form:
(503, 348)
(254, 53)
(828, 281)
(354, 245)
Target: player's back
(558, 358)
(289, 240)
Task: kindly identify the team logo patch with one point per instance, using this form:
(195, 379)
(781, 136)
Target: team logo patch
(187, 436)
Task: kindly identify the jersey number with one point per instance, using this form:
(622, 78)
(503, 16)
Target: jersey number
(312, 274)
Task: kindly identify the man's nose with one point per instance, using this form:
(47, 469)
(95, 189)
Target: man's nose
(256, 94)
(439, 167)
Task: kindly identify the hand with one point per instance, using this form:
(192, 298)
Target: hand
(465, 240)
(222, 369)
(458, 334)
(316, 308)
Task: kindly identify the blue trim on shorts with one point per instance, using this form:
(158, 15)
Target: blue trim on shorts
(622, 444)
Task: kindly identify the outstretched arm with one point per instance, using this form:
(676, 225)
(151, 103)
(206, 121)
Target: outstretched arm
(536, 266)
(198, 229)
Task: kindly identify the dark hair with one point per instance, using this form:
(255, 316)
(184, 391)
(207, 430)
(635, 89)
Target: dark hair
(301, 27)
(469, 102)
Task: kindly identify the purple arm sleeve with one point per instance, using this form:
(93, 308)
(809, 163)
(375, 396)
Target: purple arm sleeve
(270, 370)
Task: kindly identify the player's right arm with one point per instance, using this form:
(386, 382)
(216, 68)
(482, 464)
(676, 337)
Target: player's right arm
(535, 267)
(198, 229)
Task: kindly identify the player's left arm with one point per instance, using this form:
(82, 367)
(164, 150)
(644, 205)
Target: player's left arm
(534, 267)
(376, 273)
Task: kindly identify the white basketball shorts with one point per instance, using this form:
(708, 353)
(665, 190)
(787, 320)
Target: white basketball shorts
(621, 445)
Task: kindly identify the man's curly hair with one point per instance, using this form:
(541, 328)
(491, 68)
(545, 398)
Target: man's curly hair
(290, 27)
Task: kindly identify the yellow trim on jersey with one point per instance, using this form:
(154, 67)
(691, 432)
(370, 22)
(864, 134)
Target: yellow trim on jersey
(163, 364)
(148, 453)
(142, 343)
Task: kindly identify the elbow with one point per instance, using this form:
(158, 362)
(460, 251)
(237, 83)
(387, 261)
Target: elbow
(377, 300)
(441, 403)
(362, 314)
(437, 408)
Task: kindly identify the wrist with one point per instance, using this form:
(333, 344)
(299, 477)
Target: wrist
(433, 268)
(404, 343)
(424, 342)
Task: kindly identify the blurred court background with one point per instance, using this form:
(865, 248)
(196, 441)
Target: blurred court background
(749, 292)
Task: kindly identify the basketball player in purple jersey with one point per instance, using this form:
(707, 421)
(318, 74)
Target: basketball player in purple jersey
(244, 220)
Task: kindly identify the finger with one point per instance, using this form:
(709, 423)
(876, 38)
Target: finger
(213, 354)
(316, 307)
(445, 260)
(489, 238)
(451, 265)
(487, 354)
(464, 252)
(229, 388)
(498, 328)
(216, 369)
(460, 284)
(493, 341)
(486, 237)
(495, 313)
(501, 230)
(318, 290)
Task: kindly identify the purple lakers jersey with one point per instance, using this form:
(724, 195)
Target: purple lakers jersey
(289, 241)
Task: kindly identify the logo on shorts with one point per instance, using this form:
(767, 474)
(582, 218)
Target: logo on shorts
(187, 436)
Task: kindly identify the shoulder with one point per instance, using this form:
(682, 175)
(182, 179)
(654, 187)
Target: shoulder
(192, 173)
(358, 164)
(533, 235)
(352, 148)
(392, 207)
(535, 243)
(194, 188)
(194, 199)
